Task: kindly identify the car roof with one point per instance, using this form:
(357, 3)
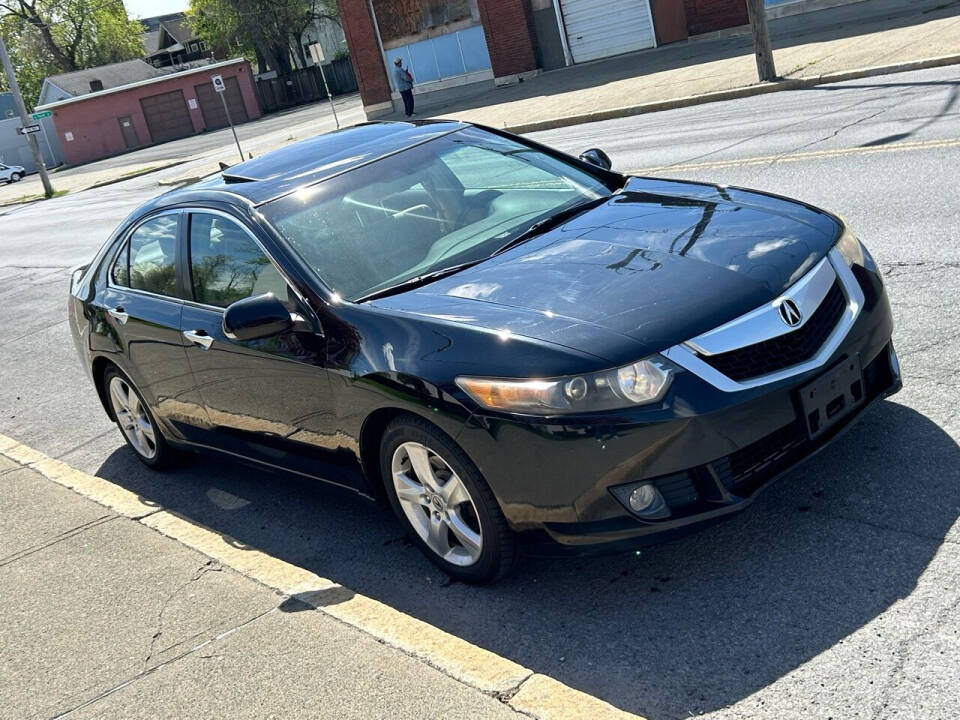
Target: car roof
(303, 163)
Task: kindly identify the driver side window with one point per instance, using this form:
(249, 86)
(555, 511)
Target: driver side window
(227, 264)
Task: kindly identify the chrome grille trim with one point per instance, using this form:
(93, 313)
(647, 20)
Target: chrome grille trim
(756, 326)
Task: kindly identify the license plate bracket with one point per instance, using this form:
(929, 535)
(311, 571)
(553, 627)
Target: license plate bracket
(832, 396)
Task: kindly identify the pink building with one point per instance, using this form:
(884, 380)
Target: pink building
(108, 122)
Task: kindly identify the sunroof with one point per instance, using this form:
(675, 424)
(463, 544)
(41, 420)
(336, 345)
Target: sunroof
(335, 150)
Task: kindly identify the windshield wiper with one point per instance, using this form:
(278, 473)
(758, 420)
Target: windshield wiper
(418, 281)
(538, 228)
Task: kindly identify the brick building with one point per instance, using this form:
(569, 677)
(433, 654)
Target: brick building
(448, 43)
(100, 115)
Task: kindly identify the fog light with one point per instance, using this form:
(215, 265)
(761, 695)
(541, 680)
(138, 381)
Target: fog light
(643, 498)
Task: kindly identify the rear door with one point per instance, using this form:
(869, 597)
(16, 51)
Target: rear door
(268, 399)
(139, 311)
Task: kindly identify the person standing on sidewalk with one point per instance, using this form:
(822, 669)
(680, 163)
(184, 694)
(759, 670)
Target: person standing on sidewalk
(404, 82)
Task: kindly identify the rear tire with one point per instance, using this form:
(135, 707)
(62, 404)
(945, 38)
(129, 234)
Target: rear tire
(444, 503)
(135, 420)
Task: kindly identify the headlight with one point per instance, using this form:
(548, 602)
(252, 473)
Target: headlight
(645, 381)
(851, 249)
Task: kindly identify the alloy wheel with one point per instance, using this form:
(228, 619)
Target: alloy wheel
(437, 504)
(133, 418)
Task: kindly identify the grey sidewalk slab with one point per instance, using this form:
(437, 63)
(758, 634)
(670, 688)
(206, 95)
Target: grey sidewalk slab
(292, 664)
(35, 512)
(101, 602)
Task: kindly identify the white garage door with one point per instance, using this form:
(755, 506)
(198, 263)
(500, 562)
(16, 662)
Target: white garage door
(601, 28)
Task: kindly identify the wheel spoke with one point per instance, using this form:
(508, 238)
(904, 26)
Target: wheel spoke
(464, 533)
(453, 492)
(119, 400)
(420, 460)
(408, 490)
(133, 402)
(147, 429)
(437, 536)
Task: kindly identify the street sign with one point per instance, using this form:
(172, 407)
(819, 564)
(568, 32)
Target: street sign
(316, 52)
(218, 85)
(28, 129)
(41, 115)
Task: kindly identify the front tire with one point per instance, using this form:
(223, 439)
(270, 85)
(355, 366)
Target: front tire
(135, 420)
(15, 177)
(444, 503)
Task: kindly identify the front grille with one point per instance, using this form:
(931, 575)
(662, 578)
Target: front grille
(761, 456)
(787, 350)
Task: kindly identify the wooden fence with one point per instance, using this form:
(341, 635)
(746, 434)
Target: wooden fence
(306, 86)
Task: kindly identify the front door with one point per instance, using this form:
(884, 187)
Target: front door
(129, 132)
(268, 399)
(139, 325)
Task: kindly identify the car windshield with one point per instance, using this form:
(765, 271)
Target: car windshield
(451, 201)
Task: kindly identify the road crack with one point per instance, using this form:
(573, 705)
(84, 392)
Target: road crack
(208, 566)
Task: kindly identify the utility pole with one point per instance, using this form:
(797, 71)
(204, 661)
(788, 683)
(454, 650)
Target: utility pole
(761, 40)
(25, 120)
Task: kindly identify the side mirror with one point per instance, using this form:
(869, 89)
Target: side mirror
(256, 317)
(596, 156)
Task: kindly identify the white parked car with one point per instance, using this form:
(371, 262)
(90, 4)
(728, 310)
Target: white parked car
(11, 173)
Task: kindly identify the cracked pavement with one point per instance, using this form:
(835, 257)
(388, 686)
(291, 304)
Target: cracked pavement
(836, 595)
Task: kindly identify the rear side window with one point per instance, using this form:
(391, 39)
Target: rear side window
(227, 264)
(148, 258)
(120, 272)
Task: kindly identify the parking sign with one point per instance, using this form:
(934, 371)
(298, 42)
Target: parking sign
(218, 85)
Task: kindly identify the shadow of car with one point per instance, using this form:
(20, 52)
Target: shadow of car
(690, 626)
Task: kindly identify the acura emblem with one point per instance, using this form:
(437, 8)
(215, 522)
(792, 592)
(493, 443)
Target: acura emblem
(790, 313)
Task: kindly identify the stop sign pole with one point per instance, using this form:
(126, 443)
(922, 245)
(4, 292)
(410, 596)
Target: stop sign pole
(221, 90)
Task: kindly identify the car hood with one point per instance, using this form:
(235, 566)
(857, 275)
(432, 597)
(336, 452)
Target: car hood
(657, 264)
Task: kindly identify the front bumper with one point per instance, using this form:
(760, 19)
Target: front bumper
(707, 451)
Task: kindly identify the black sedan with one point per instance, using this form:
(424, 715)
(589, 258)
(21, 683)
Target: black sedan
(510, 346)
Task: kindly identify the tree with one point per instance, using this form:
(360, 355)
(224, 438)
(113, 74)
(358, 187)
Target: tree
(47, 37)
(267, 30)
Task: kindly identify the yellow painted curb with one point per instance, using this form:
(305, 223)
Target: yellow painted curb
(120, 500)
(547, 699)
(537, 695)
(273, 572)
(468, 663)
(457, 658)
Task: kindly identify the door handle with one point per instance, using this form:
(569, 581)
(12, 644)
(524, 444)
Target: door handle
(119, 315)
(199, 338)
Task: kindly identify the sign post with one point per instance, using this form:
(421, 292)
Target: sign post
(316, 52)
(22, 110)
(221, 89)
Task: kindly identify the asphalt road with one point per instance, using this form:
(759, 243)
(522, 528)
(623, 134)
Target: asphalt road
(835, 595)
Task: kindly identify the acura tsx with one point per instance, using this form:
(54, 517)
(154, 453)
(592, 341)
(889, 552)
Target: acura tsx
(510, 346)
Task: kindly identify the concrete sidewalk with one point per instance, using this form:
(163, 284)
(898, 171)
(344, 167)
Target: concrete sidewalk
(884, 33)
(104, 617)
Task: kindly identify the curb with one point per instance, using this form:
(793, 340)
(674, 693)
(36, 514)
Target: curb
(732, 94)
(135, 174)
(519, 688)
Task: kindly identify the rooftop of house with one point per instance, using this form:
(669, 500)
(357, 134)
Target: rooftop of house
(104, 77)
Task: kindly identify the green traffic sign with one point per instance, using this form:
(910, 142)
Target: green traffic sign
(41, 115)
